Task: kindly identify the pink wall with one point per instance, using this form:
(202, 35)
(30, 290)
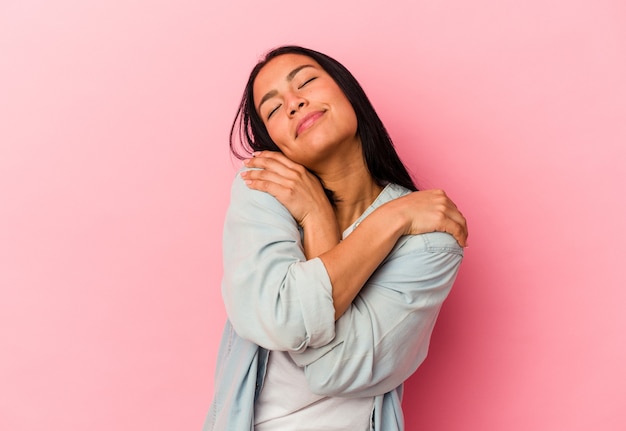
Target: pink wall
(114, 174)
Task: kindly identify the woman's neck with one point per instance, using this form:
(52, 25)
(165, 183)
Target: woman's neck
(354, 190)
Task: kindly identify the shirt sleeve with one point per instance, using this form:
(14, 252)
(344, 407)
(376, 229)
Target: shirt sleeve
(384, 335)
(273, 296)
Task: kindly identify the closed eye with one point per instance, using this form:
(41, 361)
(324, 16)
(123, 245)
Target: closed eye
(272, 112)
(307, 81)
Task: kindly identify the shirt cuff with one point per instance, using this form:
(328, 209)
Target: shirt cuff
(318, 311)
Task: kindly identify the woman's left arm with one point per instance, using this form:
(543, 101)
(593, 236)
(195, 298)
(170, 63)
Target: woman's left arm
(384, 335)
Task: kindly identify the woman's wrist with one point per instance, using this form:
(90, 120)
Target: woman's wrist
(390, 214)
(321, 233)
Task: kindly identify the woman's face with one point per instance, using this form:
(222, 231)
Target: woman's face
(305, 112)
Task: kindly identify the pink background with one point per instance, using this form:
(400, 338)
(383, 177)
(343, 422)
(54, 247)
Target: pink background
(115, 172)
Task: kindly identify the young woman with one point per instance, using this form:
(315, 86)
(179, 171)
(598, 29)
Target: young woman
(335, 267)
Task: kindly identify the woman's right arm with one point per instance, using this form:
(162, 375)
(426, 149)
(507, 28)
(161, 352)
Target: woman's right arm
(273, 295)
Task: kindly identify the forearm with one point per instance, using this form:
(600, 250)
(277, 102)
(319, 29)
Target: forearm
(274, 296)
(321, 233)
(384, 334)
(351, 262)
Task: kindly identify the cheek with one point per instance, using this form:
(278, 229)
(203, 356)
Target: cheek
(346, 109)
(271, 130)
(350, 119)
(277, 131)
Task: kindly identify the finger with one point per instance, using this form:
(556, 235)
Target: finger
(281, 175)
(456, 216)
(281, 165)
(449, 219)
(255, 176)
(278, 157)
(454, 223)
(263, 163)
(451, 212)
(459, 231)
(281, 187)
(274, 188)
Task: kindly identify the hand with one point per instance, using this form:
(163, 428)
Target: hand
(432, 211)
(291, 183)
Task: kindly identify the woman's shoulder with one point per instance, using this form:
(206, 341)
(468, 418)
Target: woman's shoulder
(440, 242)
(257, 203)
(430, 242)
(241, 192)
(392, 191)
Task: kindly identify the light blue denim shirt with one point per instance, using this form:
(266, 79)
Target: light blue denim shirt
(277, 300)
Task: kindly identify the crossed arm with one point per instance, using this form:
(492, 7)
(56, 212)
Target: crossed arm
(350, 262)
(283, 295)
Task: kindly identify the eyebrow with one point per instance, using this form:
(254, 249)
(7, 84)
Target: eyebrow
(289, 78)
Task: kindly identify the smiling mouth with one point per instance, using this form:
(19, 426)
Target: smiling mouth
(308, 121)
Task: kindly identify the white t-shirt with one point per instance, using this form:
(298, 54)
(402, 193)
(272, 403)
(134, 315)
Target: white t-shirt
(286, 403)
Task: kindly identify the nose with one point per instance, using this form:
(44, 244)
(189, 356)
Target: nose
(294, 104)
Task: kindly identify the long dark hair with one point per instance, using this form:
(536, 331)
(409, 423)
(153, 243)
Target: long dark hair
(380, 155)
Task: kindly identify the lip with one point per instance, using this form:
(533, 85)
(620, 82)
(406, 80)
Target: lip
(307, 121)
